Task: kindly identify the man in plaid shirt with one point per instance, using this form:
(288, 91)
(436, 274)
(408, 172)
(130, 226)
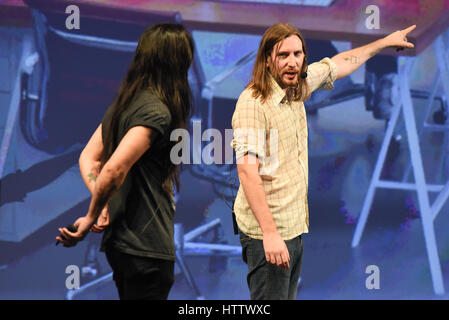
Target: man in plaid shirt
(270, 141)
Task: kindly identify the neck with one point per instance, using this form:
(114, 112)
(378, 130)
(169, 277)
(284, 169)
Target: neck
(289, 92)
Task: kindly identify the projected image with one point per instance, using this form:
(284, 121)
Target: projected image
(320, 3)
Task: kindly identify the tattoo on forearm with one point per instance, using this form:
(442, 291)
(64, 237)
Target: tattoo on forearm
(93, 175)
(352, 59)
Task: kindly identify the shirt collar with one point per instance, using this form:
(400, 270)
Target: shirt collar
(277, 94)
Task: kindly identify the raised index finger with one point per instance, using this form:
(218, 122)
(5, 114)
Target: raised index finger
(410, 29)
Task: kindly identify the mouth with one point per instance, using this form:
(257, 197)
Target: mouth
(290, 75)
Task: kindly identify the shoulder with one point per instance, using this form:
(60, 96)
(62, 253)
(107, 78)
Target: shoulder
(249, 111)
(247, 98)
(148, 103)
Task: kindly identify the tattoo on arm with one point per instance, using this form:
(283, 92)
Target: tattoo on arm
(352, 59)
(93, 175)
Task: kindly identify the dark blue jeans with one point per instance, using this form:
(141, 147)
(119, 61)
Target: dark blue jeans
(267, 281)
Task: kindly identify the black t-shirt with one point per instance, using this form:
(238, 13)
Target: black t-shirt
(141, 212)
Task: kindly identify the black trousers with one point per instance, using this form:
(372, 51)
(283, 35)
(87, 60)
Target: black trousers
(141, 278)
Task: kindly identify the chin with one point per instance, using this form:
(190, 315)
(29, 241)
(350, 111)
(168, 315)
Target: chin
(291, 83)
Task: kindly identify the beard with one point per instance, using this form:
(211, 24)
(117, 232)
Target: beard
(288, 79)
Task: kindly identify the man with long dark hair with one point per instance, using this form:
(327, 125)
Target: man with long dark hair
(126, 166)
(270, 140)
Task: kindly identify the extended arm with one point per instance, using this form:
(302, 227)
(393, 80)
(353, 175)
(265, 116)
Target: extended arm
(348, 61)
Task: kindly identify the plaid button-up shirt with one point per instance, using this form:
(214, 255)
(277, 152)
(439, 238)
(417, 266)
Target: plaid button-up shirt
(276, 132)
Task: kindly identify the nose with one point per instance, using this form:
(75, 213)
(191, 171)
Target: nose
(292, 61)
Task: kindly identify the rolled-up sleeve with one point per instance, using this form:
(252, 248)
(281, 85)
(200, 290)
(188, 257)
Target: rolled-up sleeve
(321, 75)
(249, 128)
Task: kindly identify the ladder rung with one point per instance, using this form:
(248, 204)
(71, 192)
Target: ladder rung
(436, 127)
(406, 186)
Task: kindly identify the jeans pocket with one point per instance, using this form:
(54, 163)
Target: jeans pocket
(245, 241)
(244, 237)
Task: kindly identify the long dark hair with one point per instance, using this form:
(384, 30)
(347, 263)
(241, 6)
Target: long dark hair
(260, 82)
(160, 64)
